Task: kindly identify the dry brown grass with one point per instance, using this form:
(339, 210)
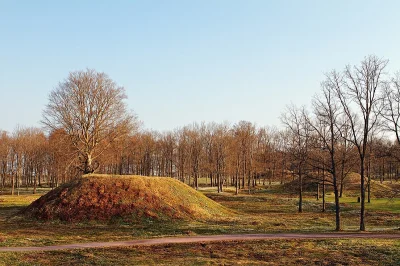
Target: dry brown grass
(266, 210)
(261, 252)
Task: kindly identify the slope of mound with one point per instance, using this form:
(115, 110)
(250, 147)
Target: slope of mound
(309, 185)
(102, 197)
(378, 190)
(352, 178)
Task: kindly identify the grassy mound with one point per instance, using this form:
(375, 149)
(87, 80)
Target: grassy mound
(351, 186)
(103, 197)
(309, 185)
(352, 178)
(378, 190)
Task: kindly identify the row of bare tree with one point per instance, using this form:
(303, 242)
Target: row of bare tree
(29, 158)
(241, 155)
(351, 114)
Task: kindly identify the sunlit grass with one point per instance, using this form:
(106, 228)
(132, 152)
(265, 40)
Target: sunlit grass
(377, 204)
(270, 252)
(17, 201)
(263, 211)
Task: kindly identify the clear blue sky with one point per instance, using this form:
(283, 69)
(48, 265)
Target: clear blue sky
(185, 61)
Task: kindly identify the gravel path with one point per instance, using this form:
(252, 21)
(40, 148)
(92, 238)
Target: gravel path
(196, 239)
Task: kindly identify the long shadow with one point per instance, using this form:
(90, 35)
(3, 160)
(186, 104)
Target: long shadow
(8, 212)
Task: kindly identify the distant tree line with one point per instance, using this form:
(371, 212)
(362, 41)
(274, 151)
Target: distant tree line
(240, 155)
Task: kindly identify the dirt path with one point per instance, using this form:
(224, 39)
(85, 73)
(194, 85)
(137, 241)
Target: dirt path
(196, 239)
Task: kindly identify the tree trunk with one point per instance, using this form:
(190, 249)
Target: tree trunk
(337, 206)
(88, 167)
(323, 196)
(335, 186)
(34, 183)
(300, 191)
(12, 184)
(341, 189)
(237, 184)
(323, 190)
(369, 190)
(362, 195)
(369, 179)
(219, 182)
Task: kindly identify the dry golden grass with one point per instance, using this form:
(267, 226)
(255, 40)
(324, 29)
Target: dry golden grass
(378, 189)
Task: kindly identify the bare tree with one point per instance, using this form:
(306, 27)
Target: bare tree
(327, 127)
(300, 134)
(62, 158)
(282, 146)
(195, 133)
(359, 96)
(220, 153)
(244, 144)
(89, 107)
(391, 106)
(4, 157)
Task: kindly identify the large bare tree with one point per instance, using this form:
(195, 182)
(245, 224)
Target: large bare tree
(359, 96)
(90, 108)
(327, 126)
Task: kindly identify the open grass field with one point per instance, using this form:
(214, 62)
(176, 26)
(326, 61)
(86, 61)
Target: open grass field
(270, 252)
(266, 210)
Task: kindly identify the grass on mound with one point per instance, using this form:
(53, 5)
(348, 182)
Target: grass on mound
(105, 197)
(351, 187)
(378, 189)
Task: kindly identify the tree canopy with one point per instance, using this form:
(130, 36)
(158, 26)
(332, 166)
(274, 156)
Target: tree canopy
(89, 107)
